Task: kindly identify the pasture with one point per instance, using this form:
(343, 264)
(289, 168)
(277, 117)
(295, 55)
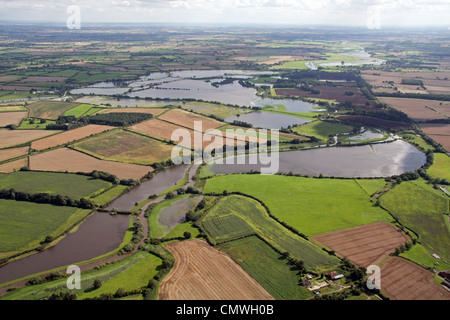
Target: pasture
(322, 129)
(312, 206)
(441, 167)
(50, 110)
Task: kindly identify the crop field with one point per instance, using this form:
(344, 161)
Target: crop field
(315, 206)
(12, 108)
(81, 110)
(108, 196)
(69, 136)
(204, 273)
(396, 275)
(125, 146)
(264, 264)
(364, 245)
(441, 167)
(62, 160)
(208, 109)
(71, 185)
(424, 212)
(416, 109)
(24, 222)
(10, 138)
(50, 110)
(228, 220)
(8, 118)
(322, 129)
(7, 154)
(187, 119)
(438, 132)
(13, 165)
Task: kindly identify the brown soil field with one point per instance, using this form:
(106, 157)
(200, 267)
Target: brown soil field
(69, 136)
(18, 88)
(404, 280)
(329, 93)
(7, 154)
(416, 109)
(204, 273)
(364, 245)
(443, 108)
(153, 111)
(9, 138)
(368, 121)
(187, 119)
(61, 160)
(439, 132)
(13, 165)
(438, 90)
(11, 118)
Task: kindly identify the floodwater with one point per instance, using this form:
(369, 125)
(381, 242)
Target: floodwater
(266, 120)
(379, 160)
(197, 84)
(160, 182)
(171, 216)
(98, 234)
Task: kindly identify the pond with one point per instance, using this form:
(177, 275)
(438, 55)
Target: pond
(380, 160)
(267, 120)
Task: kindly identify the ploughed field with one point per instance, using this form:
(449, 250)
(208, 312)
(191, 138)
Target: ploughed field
(204, 273)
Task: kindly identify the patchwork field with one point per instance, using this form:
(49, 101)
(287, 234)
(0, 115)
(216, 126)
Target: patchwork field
(125, 146)
(7, 154)
(22, 223)
(234, 217)
(416, 109)
(187, 119)
(264, 264)
(420, 209)
(62, 160)
(365, 245)
(71, 185)
(312, 206)
(50, 110)
(204, 273)
(404, 280)
(13, 165)
(438, 132)
(8, 118)
(10, 138)
(69, 136)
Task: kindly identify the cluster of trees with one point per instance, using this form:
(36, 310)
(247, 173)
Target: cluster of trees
(138, 235)
(117, 119)
(47, 198)
(242, 124)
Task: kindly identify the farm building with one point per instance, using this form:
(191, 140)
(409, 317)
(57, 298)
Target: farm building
(334, 276)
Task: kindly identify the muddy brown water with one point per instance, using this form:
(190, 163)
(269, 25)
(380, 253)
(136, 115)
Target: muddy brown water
(99, 234)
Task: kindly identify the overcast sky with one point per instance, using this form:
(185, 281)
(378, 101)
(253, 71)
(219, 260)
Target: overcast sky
(375, 13)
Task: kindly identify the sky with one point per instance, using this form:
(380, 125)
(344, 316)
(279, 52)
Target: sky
(373, 14)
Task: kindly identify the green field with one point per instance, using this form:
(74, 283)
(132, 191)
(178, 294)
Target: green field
(131, 273)
(50, 110)
(65, 184)
(419, 254)
(424, 212)
(23, 224)
(312, 206)
(265, 266)
(79, 111)
(108, 196)
(322, 129)
(217, 110)
(370, 186)
(441, 167)
(292, 65)
(237, 216)
(27, 124)
(417, 140)
(125, 146)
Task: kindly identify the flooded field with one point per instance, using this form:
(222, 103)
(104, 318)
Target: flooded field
(268, 120)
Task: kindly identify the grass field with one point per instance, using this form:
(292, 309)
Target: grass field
(236, 216)
(71, 185)
(264, 264)
(416, 140)
(322, 129)
(106, 197)
(25, 223)
(50, 109)
(370, 186)
(81, 110)
(441, 167)
(312, 206)
(419, 254)
(34, 124)
(125, 146)
(422, 211)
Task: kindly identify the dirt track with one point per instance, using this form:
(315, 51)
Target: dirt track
(204, 273)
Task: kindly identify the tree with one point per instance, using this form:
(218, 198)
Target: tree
(97, 284)
(187, 235)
